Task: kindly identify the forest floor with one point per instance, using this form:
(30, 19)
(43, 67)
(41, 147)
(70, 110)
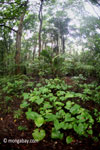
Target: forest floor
(9, 133)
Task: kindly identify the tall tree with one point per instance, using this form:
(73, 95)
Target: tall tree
(8, 18)
(18, 40)
(41, 22)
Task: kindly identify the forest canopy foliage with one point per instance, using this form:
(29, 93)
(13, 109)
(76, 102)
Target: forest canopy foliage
(28, 27)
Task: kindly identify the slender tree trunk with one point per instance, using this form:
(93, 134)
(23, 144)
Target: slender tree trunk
(63, 44)
(42, 45)
(18, 41)
(6, 43)
(41, 22)
(51, 44)
(45, 45)
(57, 45)
(34, 50)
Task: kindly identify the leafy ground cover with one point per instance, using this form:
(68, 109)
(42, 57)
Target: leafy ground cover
(56, 113)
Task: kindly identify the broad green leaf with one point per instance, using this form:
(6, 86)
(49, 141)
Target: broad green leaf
(58, 87)
(56, 134)
(90, 131)
(81, 118)
(68, 117)
(75, 109)
(38, 85)
(62, 98)
(26, 95)
(69, 104)
(53, 98)
(78, 95)
(39, 121)
(38, 135)
(60, 93)
(60, 114)
(69, 95)
(60, 125)
(50, 117)
(47, 105)
(44, 90)
(67, 126)
(69, 139)
(58, 103)
(79, 128)
(64, 86)
(39, 101)
(31, 115)
(34, 98)
(58, 108)
(24, 104)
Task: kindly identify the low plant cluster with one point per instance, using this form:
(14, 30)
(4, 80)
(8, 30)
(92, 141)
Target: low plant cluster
(53, 102)
(14, 86)
(90, 92)
(85, 63)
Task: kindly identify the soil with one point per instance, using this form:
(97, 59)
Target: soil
(9, 131)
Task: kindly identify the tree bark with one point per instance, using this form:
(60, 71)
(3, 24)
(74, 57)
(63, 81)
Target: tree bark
(63, 44)
(41, 22)
(18, 41)
(57, 45)
(34, 51)
(18, 44)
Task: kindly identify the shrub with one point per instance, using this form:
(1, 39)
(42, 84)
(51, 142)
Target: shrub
(49, 64)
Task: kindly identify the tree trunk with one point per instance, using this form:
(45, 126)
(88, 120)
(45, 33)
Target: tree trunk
(34, 50)
(57, 45)
(18, 40)
(63, 44)
(45, 45)
(18, 44)
(41, 22)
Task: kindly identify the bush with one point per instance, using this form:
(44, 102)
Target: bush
(80, 64)
(49, 65)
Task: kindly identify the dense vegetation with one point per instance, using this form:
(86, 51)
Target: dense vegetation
(49, 74)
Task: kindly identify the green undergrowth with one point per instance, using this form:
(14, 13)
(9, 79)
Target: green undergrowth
(54, 102)
(14, 86)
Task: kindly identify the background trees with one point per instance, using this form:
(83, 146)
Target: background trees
(28, 27)
(12, 11)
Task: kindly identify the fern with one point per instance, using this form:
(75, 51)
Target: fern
(52, 62)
